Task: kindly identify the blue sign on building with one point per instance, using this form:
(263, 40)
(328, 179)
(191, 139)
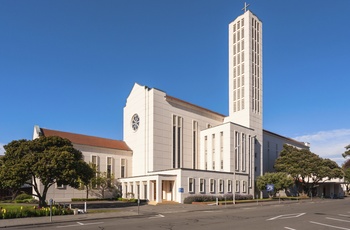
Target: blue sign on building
(181, 190)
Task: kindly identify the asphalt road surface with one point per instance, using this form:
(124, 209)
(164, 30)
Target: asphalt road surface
(321, 214)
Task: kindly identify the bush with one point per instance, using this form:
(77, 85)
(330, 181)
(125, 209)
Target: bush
(209, 198)
(23, 196)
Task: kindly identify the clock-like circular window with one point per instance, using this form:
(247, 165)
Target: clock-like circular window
(135, 122)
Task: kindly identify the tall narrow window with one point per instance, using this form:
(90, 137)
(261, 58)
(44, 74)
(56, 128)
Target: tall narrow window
(109, 170)
(244, 186)
(212, 185)
(201, 185)
(95, 166)
(206, 152)
(221, 150)
(194, 143)
(221, 186)
(177, 141)
(229, 185)
(190, 185)
(244, 153)
(237, 185)
(213, 150)
(123, 168)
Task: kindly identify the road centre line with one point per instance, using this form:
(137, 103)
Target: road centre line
(327, 225)
(330, 218)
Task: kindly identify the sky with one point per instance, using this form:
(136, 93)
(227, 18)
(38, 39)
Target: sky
(70, 65)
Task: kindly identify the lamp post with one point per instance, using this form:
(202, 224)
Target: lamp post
(234, 175)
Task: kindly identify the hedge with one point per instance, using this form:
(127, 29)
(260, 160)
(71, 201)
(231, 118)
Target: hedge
(208, 198)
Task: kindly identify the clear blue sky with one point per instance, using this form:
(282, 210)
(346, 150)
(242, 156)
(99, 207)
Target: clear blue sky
(70, 65)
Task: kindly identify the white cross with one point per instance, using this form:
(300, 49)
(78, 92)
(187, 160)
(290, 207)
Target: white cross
(245, 7)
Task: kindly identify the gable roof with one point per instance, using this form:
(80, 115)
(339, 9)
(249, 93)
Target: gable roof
(87, 140)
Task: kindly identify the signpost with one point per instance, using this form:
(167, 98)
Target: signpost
(50, 203)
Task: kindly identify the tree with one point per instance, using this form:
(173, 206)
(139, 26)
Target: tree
(346, 167)
(45, 160)
(347, 177)
(347, 151)
(104, 182)
(306, 167)
(280, 180)
(87, 177)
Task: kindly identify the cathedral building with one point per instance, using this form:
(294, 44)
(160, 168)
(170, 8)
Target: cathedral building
(172, 149)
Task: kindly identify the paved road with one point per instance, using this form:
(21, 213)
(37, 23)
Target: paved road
(317, 214)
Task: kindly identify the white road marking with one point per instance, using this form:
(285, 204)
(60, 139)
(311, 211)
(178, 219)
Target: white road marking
(331, 226)
(344, 215)
(287, 216)
(79, 224)
(330, 218)
(157, 216)
(212, 211)
(289, 228)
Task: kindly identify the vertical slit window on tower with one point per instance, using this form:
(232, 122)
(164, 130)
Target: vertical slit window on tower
(195, 127)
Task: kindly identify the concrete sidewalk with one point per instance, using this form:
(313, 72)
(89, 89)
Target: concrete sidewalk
(134, 212)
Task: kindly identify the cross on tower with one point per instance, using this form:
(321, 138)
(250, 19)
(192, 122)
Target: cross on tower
(245, 7)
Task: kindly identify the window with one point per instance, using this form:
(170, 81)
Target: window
(122, 168)
(109, 167)
(213, 150)
(109, 170)
(177, 141)
(212, 185)
(229, 185)
(190, 185)
(221, 186)
(244, 152)
(95, 166)
(237, 185)
(206, 152)
(194, 143)
(245, 186)
(60, 185)
(221, 150)
(202, 185)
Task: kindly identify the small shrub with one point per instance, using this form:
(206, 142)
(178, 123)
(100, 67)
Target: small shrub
(23, 196)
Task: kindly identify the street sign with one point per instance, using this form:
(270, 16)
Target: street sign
(181, 190)
(270, 187)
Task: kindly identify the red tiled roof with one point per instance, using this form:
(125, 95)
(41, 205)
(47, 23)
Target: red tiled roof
(87, 140)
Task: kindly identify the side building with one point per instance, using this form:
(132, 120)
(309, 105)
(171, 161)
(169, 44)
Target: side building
(107, 155)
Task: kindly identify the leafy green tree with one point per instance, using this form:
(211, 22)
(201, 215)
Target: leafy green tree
(306, 167)
(347, 151)
(346, 168)
(104, 182)
(87, 179)
(45, 160)
(280, 180)
(346, 171)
